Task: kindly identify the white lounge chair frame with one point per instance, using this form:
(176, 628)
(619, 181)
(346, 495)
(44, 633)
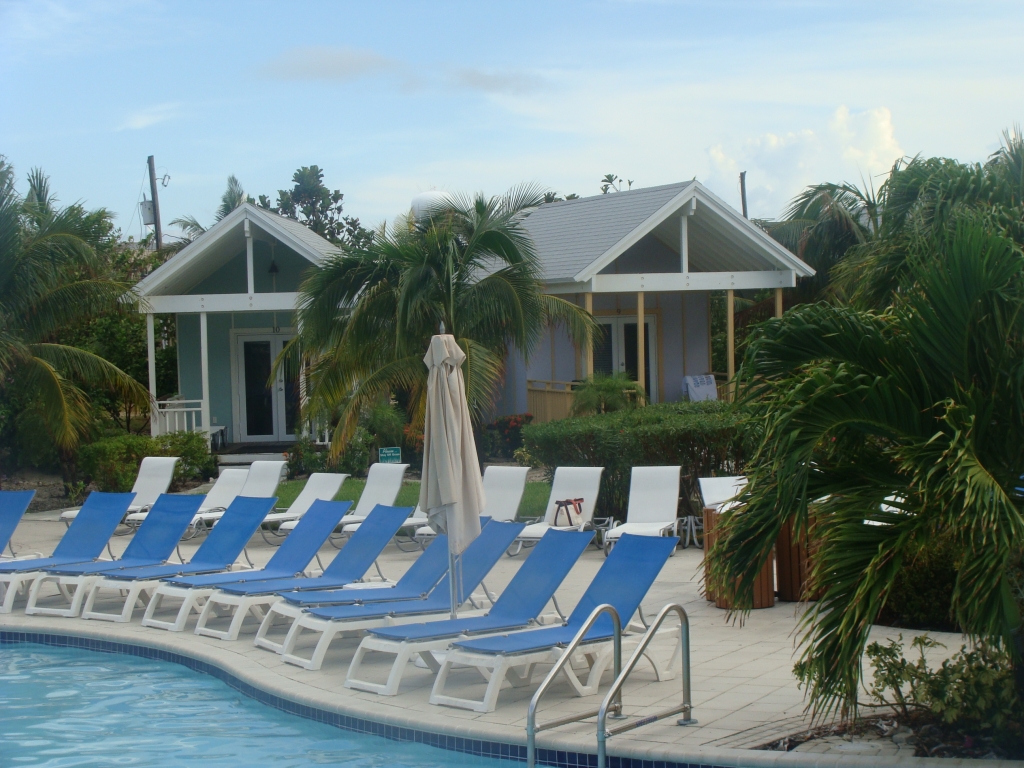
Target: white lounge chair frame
(260, 483)
(154, 477)
(320, 486)
(383, 482)
(503, 492)
(653, 505)
(568, 483)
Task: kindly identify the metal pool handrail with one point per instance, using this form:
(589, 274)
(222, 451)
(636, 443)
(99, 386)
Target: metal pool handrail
(532, 729)
(613, 701)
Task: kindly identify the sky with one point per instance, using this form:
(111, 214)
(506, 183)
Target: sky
(396, 98)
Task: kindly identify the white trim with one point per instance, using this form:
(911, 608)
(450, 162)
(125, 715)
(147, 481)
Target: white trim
(250, 276)
(633, 237)
(224, 302)
(264, 219)
(693, 192)
(235, 335)
(151, 359)
(693, 281)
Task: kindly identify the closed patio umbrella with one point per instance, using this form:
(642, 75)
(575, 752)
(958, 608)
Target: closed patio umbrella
(451, 489)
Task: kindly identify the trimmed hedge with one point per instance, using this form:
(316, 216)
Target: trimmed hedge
(705, 438)
(113, 463)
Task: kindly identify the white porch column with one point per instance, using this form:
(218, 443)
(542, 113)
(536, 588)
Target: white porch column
(204, 354)
(151, 356)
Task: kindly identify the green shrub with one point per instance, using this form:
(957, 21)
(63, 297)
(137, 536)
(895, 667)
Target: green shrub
(195, 462)
(974, 689)
(705, 438)
(607, 394)
(113, 463)
(355, 459)
(922, 595)
(305, 458)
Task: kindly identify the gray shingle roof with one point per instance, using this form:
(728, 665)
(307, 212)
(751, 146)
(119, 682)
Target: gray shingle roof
(571, 234)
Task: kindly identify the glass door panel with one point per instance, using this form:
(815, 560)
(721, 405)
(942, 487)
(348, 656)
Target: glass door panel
(258, 398)
(629, 352)
(615, 349)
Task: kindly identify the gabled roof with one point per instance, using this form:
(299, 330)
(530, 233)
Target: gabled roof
(222, 241)
(576, 239)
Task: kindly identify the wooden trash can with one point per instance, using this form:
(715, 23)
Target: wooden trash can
(764, 583)
(794, 558)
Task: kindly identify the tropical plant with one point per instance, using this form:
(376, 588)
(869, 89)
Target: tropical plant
(313, 204)
(367, 315)
(51, 276)
(897, 427)
(607, 393)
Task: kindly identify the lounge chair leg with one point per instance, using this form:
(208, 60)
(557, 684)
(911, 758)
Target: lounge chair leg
(380, 572)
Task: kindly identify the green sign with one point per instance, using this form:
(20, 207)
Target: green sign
(389, 455)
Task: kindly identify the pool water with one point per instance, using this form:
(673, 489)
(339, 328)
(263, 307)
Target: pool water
(63, 707)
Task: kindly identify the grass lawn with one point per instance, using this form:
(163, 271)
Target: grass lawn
(535, 497)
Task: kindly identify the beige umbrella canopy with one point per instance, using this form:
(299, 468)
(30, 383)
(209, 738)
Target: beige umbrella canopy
(451, 490)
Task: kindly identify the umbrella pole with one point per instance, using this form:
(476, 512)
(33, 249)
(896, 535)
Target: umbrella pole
(454, 581)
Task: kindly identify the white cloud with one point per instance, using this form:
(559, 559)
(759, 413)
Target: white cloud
(495, 82)
(852, 146)
(149, 116)
(339, 64)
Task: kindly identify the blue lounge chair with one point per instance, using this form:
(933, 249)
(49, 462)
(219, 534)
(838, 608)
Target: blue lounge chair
(83, 542)
(477, 561)
(519, 606)
(294, 555)
(349, 565)
(622, 582)
(220, 550)
(12, 506)
(153, 544)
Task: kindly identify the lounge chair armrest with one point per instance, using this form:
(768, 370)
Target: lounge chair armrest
(602, 523)
(529, 520)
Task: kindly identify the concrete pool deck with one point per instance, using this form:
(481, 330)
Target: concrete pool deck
(744, 693)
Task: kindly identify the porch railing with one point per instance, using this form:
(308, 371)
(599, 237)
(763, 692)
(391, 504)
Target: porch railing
(548, 400)
(177, 415)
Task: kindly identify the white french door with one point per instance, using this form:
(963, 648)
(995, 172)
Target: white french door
(268, 410)
(615, 349)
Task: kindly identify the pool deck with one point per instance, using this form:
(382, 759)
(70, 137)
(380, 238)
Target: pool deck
(744, 692)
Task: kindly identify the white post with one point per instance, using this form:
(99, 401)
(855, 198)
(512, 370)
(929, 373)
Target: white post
(684, 235)
(204, 352)
(154, 413)
(249, 274)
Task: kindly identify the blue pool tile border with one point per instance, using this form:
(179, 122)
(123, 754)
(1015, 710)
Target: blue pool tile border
(491, 749)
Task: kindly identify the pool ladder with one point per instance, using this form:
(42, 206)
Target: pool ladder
(612, 704)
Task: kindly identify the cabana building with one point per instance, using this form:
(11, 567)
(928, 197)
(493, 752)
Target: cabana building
(655, 253)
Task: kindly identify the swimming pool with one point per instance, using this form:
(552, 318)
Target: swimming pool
(71, 707)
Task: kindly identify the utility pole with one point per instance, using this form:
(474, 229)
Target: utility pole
(156, 205)
(743, 189)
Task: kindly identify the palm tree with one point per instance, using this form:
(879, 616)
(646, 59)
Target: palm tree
(232, 198)
(891, 429)
(366, 316)
(51, 277)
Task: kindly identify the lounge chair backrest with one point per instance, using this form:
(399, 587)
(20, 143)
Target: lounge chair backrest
(653, 495)
(320, 485)
(428, 569)
(163, 527)
(503, 490)
(233, 531)
(478, 559)
(224, 491)
(367, 542)
(94, 525)
(12, 506)
(574, 483)
(154, 478)
(540, 575)
(624, 579)
(383, 482)
(309, 534)
(419, 514)
(716, 491)
(263, 479)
